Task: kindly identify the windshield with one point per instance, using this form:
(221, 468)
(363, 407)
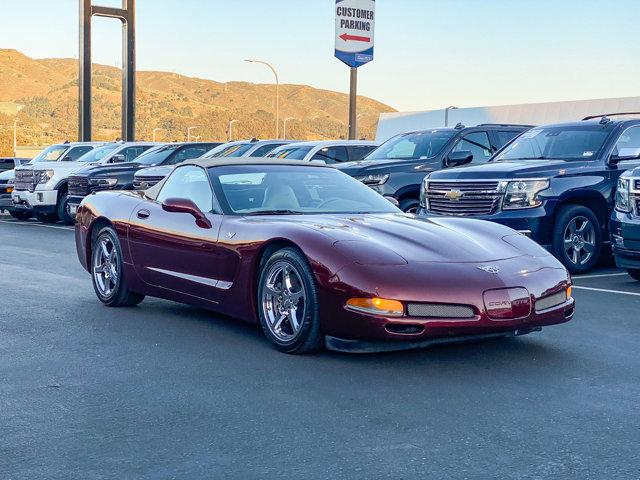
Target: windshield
(413, 146)
(291, 153)
(50, 154)
(233, 151)
(97, 154)
(562, 143)
(290, 190)
(156, 156)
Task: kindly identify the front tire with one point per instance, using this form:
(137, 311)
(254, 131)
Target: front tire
(107, 272)
(634, 273)
(63, 210)
(288, 305)
(577, 238)
(21, 215)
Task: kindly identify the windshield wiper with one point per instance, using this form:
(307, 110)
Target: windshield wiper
(276, 212)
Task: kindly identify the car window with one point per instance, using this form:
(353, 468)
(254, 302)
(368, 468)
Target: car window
(131, 153)
(76, 152)
(50, 154)
(187, 153)
(99, 153)
(478, 144)
(503, 137)
(189, 182)
(413, 146)
(291, 153)
(358, 152)
(628, 144)
(332, 155)
(263, 150)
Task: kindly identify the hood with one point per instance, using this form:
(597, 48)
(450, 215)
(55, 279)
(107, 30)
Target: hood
(59, 167)
(509, 169)
(7, 175)
(379, 239)
(159, 171)
(112, 168)
(370, 167)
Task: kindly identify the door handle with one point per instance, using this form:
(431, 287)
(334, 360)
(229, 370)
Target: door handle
(143, 214)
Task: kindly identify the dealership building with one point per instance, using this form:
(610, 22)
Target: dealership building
(391, 124)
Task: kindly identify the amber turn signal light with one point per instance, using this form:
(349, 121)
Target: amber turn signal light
(376, 306)
(568, 292)
(9, 189)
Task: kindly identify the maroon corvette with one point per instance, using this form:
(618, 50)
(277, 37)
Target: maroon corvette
(317, 258)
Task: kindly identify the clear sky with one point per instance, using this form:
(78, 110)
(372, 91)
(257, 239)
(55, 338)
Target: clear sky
(429, 54)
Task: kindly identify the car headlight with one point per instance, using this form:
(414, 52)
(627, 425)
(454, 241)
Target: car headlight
(524, 193)
(43, 176)
(623, 195)
(103, 182)
(373, 180)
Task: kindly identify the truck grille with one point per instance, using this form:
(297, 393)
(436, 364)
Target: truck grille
(142, 183)
(24, 180)
(78, 186)
(463, 198)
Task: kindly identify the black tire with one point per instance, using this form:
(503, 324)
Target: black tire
(577, 215)
(63, 210)
(309, 338)
(634, 273)
(47, 217)
(120, 295)
(21, 215)
(410, 205)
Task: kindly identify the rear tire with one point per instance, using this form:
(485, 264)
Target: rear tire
(107, 272)
(634, 273)
(21, 215)
(63, 210)
(47, 217)
(577, 238)
(288, 305)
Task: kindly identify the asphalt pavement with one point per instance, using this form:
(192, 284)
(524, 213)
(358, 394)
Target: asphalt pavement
(167, 391)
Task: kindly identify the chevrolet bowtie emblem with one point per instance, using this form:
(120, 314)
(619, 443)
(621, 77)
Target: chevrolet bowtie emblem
(490, 269)
(454, 195)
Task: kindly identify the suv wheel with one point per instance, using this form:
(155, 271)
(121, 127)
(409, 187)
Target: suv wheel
(577, 238)
(634, 273)
(410, 205)
(63, 210)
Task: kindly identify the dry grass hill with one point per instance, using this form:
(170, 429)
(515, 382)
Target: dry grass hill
(41, 94)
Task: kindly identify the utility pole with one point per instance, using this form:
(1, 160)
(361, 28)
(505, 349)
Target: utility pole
(353, 104)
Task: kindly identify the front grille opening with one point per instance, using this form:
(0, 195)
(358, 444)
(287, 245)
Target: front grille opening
(463, 198)
(404, 329)
(440, 310)
(551, 301)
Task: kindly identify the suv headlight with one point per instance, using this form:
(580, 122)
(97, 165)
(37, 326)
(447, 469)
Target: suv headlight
(103, 182)
(43, 176)
(623, 195)
(373, 180)
(524, 194)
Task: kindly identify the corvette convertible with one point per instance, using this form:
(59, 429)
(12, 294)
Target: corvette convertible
(317, 258)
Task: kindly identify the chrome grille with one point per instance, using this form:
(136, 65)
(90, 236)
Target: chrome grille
(78, 186)
(140, 183)
(439, 310)
(24, 180)
(463, 198)
(551, 301)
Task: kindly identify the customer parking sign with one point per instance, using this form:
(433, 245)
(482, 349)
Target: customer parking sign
(355, 27)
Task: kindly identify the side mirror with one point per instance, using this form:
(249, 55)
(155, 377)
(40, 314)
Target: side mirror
(184, 205)
(461, 157)
(393, 200)
(624, 154)
(118, 158)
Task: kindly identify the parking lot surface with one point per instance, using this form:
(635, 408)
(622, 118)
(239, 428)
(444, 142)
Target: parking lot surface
(164, 390)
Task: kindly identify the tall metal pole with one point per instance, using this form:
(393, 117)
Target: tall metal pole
(252, 60)
(231, 128)
(129, 71)
(15, 138)
(284, 129)
(446, 114)
(155, 130)
(353, 104)
(84, 80)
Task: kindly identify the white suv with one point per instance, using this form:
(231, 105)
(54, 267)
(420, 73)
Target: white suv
(41, 186)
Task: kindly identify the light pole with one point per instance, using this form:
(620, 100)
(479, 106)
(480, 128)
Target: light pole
(15, 138)
(156, 130)
(189, 132)
(231, 128)
(446, 114)
(284, 131)
(360, 115)
(252, 60)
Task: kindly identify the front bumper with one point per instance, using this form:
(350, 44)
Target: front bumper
(625, 239)
(40, 201)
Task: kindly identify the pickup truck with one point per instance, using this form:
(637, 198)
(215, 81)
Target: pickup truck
(555, 183)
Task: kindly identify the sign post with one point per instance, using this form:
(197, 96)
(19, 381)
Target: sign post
(355, 28)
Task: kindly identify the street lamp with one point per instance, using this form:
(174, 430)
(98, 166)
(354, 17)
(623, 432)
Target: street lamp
(189, 132)
(231, 127)
(446, 114)
(15, 138)
(155, 130)
(284, 132)
(252, 60)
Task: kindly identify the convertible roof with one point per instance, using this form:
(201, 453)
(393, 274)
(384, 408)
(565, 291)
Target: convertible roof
(227, 162)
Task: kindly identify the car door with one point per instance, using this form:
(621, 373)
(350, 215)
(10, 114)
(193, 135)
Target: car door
(169, 249)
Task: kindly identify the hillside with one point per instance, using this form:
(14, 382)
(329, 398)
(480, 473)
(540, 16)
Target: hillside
(41, 94)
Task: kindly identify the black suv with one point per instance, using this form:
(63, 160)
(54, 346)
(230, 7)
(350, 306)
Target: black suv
(398, 166)
(555, 183)
(120, 176)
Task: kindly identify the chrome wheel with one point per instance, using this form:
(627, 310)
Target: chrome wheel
(284, 300)
(106, 269)
(579, 240)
